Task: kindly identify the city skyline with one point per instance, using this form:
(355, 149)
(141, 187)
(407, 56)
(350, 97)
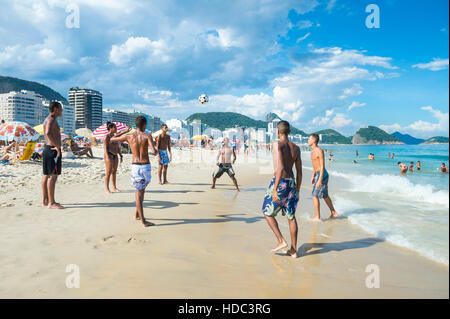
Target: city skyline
(288, 57)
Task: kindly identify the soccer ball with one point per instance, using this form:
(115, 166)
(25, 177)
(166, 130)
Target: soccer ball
(203, 98)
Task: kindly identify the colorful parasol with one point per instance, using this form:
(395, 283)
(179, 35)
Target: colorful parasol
(40, 128)
(101, 131)
(18, 131)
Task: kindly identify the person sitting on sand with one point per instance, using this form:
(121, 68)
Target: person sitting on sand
(418, 166)
(141, 170)
(444, 168)
(319, 178)
(80, 151)
(112, 151)
(225, 165)
(403, 168)
(164, 153)
(283, 191)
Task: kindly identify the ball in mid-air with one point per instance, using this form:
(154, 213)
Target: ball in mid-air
(203, 98)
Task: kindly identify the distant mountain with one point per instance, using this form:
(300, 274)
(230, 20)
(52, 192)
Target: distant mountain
(270, 117)
(334, 137)
(437, 140)
(408, 139)
(373, 135)
(8, 84)
(224, 120)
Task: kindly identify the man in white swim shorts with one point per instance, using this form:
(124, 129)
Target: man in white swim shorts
(141, 170)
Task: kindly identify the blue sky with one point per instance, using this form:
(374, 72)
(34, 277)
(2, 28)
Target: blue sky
(314, 62)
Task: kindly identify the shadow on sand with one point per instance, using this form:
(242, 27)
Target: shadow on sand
(154, 204)
(323, 248)
(223, 219)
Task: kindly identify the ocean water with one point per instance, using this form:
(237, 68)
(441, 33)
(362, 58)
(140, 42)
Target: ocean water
(409, 211)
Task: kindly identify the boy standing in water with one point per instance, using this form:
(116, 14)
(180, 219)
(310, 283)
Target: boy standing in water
(319, 178)
(282, 193)
(163, 147)
(141, 170)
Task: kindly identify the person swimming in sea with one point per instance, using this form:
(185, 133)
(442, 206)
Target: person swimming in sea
(319, 178)
(418, 166)
(411, 166)
(403, 168)
(444, 169)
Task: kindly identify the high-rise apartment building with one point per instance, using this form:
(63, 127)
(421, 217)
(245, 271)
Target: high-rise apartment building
(24, 106)
(88, 106)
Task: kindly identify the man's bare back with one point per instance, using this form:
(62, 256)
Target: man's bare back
(139, 143)
(289, 153)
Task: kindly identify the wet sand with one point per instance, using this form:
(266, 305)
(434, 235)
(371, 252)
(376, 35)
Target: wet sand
(206, 243)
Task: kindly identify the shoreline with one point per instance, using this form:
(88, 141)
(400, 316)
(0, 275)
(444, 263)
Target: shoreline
(199, 248)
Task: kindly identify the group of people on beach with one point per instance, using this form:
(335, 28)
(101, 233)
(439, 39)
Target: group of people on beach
(282, 195)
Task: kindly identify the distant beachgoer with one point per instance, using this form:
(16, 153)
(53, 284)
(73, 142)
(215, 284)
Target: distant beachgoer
(411, 166)
(112, 151)
(418, 165)
(403, 168)
(355, 162)
(444, 168)
(393, 154)
(330, 157)
(389, 155)
(164, 154)
(357, 154)
(225, 164)
(283, 191)
(319, 178)
(371, 156)
(51, 162)
(80, 150)
(246, 146)
(141, 170)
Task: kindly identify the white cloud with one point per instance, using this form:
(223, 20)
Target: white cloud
(331, 4)
(355, 90)
(355, 105)
(139, 47)
(303, 37)
(423, 128)
(331, 119)
(435, 65)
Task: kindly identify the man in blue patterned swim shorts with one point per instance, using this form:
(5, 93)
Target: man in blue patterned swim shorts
(141, 170)
(282, 193)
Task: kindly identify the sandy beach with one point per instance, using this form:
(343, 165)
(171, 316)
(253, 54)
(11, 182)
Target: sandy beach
(206, 243)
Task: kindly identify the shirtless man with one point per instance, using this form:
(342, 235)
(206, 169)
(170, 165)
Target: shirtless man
(164, 153)
(418, 165)
(319, 178)
(444, 168)
(51, 160)
(282, 193)
(225, 165)
(141, 170)
(403, 168)
(411, 166)
(112, 151)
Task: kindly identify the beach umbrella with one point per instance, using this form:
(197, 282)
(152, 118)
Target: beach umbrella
(64, 136)
(40, 128)
(158, 133)
(18, 131)
(84, 131)
(101, 131)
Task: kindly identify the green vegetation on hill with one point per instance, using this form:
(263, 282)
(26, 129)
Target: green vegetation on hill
(8, 84)
(374, 135)
(334, 137)
(224, 120)
(407, 139)
(437, 140)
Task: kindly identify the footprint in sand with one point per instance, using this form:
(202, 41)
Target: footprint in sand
(113, 240)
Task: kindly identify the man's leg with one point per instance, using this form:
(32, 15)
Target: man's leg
(293, 228)
(160, 167)
(165, 167)
(114, 174)
(331, 207)
(44, 191)
(235, 183)
(52, 204)
(316, 207)
(139, 207)
(214, 182)
(274, 226)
